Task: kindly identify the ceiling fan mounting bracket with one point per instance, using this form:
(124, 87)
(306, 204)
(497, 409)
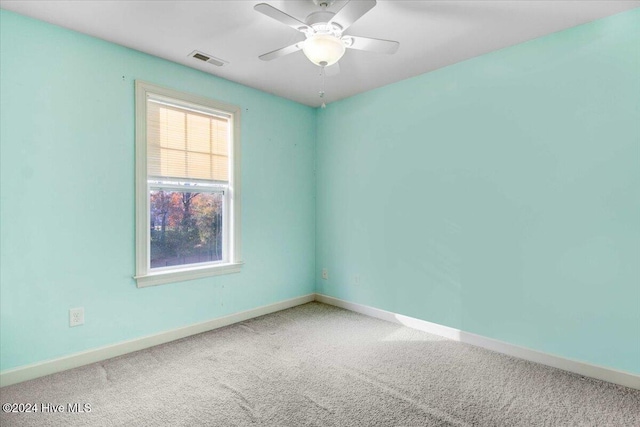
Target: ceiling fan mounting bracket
(324, 3)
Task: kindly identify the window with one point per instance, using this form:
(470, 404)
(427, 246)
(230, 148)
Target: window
(187, 186)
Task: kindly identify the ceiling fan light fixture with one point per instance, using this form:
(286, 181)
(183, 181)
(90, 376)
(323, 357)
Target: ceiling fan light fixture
(323, 49)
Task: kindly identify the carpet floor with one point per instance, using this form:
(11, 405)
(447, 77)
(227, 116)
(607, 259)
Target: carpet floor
(317, 365)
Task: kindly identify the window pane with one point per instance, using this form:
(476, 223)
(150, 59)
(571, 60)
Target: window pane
(172, 129)
(186, 227)
(182, 143)
(199, 166)
(198, 134)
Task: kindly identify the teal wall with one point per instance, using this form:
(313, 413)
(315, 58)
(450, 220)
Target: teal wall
(67, 188)
(500, 195)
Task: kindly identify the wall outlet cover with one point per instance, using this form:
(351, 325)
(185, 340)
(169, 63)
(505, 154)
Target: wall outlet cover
(76, 316)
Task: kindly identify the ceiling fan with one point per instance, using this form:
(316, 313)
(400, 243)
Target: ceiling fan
(324, 30)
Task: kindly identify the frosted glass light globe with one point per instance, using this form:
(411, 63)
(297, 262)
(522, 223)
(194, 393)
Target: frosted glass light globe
(323, 49)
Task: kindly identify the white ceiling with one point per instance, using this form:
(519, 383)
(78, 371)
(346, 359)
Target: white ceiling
(432, 34)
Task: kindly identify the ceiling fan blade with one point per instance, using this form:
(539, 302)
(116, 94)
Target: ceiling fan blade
(332, 70)
(371, 45)
(280, 16)
(351, 12)
(281, 52)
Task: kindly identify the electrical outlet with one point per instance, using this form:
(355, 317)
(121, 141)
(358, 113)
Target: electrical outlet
(325, 274)
(76, 316)
(356, 279)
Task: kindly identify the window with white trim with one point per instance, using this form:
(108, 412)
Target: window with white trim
(187, 186)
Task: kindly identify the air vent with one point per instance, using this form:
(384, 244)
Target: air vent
(201, 57)
(208, 58)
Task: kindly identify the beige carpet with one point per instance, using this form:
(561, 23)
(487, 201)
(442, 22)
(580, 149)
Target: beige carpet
(317, 365)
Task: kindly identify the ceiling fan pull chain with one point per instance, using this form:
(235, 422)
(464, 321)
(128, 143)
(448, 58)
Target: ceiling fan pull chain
(321, 93)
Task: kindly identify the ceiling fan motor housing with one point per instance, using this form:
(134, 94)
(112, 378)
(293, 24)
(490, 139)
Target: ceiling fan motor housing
(319, 21)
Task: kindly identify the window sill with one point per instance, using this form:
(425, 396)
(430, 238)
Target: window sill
(182, 275)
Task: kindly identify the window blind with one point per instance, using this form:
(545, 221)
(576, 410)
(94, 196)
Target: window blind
(186, 144)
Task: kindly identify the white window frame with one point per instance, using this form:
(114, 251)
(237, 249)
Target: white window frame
(145, 276)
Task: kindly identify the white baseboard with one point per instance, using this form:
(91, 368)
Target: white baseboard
(29, 372)
(626, 379)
